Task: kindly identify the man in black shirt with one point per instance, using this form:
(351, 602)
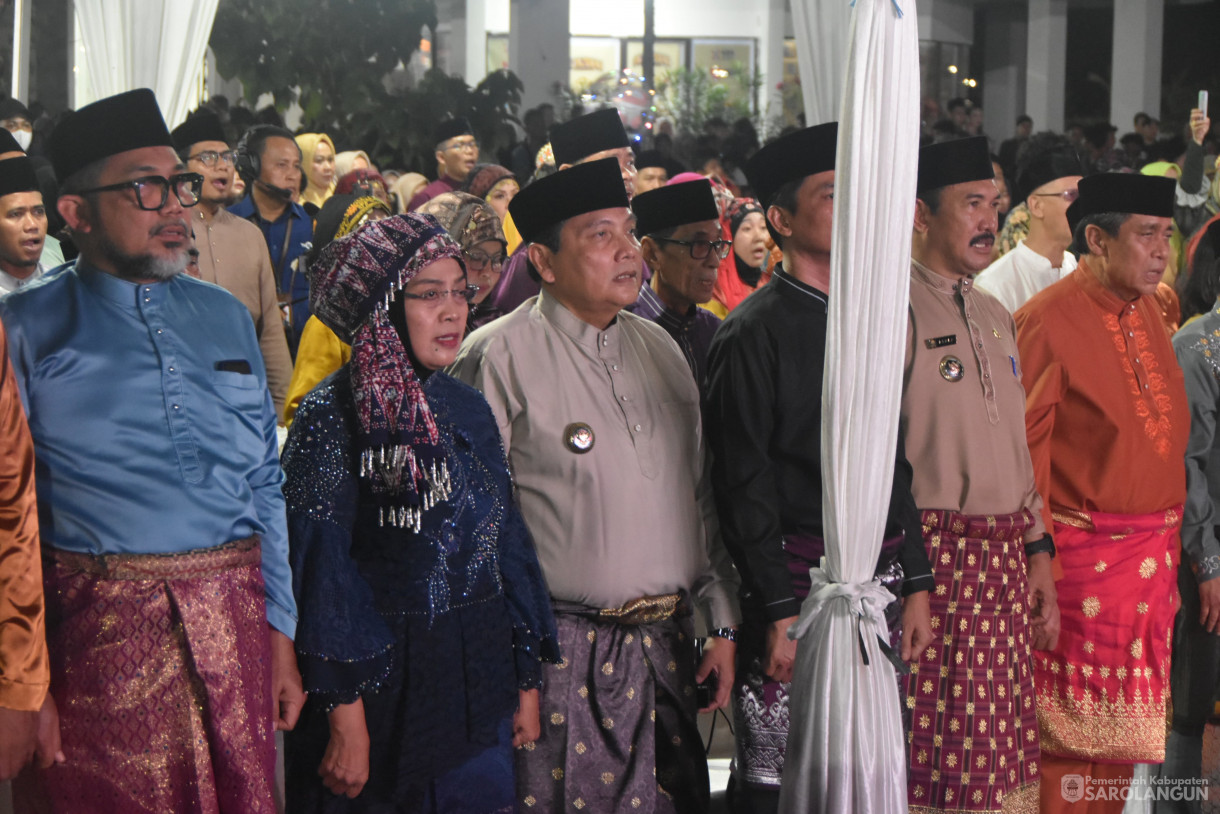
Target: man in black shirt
(763, 421)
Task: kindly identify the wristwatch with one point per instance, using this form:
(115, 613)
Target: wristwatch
(729, 633)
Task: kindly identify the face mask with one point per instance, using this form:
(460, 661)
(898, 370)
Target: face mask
(23, 138)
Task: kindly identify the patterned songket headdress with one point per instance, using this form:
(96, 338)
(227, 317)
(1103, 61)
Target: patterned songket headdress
(352, 285)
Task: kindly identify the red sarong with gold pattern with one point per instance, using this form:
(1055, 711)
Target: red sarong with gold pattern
(161, 669)
(1102, 692)
(972, 730)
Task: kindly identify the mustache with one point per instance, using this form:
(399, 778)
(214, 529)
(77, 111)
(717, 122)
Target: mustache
(177, 223)
(987, 238)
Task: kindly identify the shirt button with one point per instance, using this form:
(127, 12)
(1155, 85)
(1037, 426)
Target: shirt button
(158, 330)
(986, 375)
(1137, 361)
(614, 367)
(171, 370)
(146, 299)
(1130, 334)
(622, 398)
(175, 406)
(638, 428)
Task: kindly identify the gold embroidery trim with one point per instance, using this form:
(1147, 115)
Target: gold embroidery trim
(643, 611)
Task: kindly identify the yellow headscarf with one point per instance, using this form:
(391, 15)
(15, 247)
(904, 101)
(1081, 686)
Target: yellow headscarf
(314, 194)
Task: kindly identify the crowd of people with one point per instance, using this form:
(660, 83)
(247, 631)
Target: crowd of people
(482, 487)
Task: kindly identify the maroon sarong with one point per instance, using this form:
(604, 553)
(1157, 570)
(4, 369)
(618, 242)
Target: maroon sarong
(971, 725)
(161, 669)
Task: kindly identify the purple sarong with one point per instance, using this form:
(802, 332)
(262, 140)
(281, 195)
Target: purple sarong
(619, 719)
(760, 705)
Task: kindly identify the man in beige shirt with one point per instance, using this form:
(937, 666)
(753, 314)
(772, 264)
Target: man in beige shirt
(232, 252)
(600, 416)
(970, 697)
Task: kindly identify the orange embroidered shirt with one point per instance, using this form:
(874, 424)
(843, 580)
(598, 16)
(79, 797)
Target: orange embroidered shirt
(1106, 412)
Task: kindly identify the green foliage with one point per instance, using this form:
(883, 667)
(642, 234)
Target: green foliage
(690, 96)
(335, 59)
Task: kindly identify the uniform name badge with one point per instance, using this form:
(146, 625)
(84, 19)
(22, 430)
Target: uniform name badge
(578, 437)
(952, 369)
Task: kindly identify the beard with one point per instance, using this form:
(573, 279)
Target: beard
(143, 266)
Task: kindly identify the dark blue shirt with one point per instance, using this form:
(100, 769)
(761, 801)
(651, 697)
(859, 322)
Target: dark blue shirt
(288, 237)
(692, 331)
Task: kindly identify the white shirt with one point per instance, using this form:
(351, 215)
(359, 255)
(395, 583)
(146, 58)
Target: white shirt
(1021, 274)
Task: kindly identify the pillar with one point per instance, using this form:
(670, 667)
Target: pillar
(1135, 80)
(539, 48)
(1046, 64)
(1004, 69)
(771, 59)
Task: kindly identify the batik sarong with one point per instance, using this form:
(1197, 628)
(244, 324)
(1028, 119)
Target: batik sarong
(760, 705)
(971, 728)
(1102, 692)
(161, 669)
(619, 716)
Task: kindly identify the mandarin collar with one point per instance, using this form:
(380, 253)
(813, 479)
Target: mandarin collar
(939, 282)
(580, 331)
(124, 293)
(1110, 302)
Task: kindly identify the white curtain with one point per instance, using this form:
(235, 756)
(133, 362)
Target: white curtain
(846, 750)
(156, 44)
(821, 28)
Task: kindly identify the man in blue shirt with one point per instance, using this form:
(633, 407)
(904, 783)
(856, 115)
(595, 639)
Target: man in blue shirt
(269, 161)
(170, 606)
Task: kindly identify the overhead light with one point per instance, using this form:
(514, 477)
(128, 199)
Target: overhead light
(952, 69)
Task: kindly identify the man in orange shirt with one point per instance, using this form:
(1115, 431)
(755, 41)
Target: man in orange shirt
(1107, 421)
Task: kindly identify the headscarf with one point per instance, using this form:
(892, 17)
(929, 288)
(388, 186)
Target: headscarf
(469, 220)
(345, 161)
(314, 194)
(341, 215)
(484, 177)
(730, 288)
(405, 187)
(347, 182)
(353, 284)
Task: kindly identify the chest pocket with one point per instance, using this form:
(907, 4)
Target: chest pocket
(240, 390)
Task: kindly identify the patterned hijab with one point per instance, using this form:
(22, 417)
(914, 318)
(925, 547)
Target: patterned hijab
(468, 219)
(352, 286)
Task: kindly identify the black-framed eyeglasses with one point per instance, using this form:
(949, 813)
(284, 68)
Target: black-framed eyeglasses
(436, 296)
(478, 260)
(468, 144)
(1068, 195)
(208, 158)
(699, 249)
(152, 191)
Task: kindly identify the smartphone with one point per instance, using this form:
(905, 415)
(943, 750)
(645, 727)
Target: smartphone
(1203, 101)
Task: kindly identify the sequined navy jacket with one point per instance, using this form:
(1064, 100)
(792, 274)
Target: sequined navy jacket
(460, 606)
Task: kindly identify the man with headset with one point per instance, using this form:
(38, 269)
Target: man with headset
(269, 161)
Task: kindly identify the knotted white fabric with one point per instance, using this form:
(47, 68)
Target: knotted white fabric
(156, 44)
(846, 750)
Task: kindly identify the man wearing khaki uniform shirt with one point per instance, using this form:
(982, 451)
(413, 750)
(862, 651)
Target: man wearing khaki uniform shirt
(600, 416)
(972, 725)
(232, 252)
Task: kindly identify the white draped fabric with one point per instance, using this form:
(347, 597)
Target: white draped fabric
(845, 745)
(821, 28)
(156, 44)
